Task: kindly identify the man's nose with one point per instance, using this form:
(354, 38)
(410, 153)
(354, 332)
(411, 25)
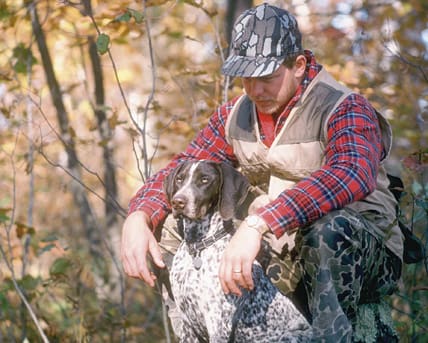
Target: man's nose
(254, 87)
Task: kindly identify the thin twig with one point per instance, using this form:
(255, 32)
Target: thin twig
(152, 91)
(9, 263)
(119, 208)
(405, 60)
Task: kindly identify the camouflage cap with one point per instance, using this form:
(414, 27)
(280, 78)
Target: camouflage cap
(262, 38)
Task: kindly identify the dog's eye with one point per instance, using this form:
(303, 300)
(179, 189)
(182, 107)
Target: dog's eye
(179, 180)
(205, 179)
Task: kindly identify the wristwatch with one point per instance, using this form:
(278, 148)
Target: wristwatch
(257, 223)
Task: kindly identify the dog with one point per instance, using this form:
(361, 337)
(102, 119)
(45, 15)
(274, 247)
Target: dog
(206, 199)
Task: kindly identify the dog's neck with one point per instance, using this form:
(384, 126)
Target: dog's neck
(199, 234)
(195, 230)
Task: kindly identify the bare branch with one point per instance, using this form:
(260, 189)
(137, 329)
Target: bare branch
(152, 92)
(9, 263)
(119, 208)
(405, 60)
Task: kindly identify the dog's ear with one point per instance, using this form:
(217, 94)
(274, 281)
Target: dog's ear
(168, 182)
(234, 194)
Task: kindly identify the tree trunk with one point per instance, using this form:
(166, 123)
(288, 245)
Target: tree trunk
(106, 134)
(79, 195)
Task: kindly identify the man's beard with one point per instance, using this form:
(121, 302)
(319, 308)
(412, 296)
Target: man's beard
(272, 108)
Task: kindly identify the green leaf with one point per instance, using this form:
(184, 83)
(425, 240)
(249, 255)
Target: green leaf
(136, 15)
(46, 248)
(49, 238)
(4, 218)
(4, 304)
(7, 285)
(125, 17)
(29, 283)
(4, 12)
(22, 56)
(103, 42)
(60, 266)
(20, 67)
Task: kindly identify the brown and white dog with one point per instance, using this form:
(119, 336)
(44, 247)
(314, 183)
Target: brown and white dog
(205, 198)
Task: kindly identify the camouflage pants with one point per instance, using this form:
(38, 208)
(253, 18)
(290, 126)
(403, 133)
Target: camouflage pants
(337, 266)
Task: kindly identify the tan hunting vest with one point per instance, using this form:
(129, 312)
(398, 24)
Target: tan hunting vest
(298, 150)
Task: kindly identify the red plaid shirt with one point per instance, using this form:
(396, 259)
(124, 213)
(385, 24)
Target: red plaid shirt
(352, 158)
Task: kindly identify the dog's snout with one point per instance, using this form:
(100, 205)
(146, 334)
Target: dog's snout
(179, 202)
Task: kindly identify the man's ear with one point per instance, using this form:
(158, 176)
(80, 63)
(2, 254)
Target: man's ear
(300, 66)
(234, 190)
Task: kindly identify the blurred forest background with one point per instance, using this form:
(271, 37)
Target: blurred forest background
(95, 96)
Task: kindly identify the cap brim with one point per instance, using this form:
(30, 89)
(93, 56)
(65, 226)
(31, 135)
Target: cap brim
(243, 66)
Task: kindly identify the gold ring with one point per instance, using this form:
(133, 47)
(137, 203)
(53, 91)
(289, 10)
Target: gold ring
(237, 271)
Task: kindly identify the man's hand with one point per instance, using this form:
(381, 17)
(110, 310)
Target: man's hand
(237, 261)
(137, 242)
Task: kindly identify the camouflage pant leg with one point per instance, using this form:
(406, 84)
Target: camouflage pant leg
(341, 264)
(169, 242)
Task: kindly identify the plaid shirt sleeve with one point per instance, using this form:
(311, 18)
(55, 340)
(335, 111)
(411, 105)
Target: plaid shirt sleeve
(352, 160)
(209, 144)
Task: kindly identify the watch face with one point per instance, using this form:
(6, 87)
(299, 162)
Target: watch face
(253, 220)
(257, 223)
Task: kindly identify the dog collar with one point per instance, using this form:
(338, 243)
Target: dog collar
(196, 248)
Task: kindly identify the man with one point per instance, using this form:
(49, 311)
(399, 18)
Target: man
(317, 149)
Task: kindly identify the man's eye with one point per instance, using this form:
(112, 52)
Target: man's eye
(267, 78)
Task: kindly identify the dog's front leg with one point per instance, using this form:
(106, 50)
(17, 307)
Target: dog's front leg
(190, 336)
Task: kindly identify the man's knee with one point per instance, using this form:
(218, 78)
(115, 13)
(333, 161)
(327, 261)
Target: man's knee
(332, 235)
(170, 240)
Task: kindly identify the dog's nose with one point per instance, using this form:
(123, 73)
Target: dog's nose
(179, 202)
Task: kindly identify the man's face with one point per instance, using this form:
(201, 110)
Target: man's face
(272, 92)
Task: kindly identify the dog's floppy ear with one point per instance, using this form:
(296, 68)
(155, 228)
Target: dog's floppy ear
(234, 195)
(168, 182)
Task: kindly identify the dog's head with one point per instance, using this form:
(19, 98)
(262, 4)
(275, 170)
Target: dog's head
(197, 188)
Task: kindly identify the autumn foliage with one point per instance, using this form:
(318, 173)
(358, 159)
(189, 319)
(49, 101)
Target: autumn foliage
(95, 96)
